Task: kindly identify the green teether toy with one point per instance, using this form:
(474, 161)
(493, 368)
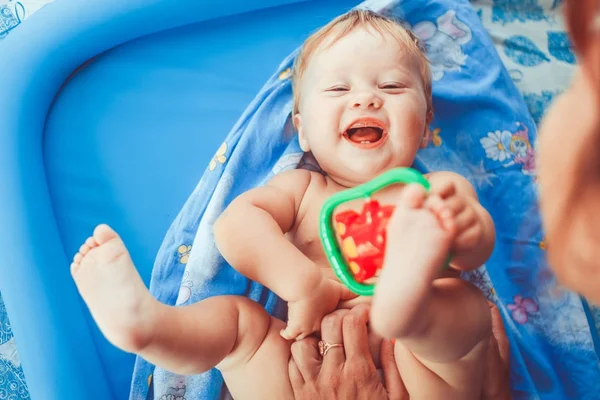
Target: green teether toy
(359, 256)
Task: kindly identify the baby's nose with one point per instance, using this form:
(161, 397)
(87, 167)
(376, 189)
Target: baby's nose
(366, 101)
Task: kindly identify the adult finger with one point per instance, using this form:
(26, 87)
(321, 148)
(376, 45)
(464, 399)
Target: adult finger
(302, 389)
(296, 378)
(499, 333)
(496, 383)
(331, 334)
(391, 376)
(354, 330)
(306, 357)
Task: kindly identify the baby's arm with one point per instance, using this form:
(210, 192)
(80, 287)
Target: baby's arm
(473, 225)
(251, 236)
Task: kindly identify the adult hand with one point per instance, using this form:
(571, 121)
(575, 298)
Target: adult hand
(347, 371)
(351, 372)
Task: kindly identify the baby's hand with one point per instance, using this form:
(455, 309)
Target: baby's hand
(304, 316)
(457, 214)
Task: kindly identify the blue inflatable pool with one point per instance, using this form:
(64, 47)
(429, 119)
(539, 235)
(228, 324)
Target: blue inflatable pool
(111, 110)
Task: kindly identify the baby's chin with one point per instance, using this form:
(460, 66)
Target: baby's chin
(363, 169)
(357, 176)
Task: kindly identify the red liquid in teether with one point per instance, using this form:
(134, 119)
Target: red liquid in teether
(363, 237)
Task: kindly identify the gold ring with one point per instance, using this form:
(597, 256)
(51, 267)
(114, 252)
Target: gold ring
(324, 347)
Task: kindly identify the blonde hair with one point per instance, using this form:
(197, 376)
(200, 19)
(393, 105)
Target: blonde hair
(346, 23)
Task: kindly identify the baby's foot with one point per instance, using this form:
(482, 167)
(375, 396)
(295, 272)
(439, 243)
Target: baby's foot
(113, 290)
(417, 247)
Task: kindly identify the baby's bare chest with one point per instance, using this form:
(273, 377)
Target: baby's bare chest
(306, 236)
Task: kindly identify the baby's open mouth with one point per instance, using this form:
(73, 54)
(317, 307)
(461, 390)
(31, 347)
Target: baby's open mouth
(365, 133)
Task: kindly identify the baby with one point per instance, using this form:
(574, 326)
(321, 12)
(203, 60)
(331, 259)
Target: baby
(362, 92)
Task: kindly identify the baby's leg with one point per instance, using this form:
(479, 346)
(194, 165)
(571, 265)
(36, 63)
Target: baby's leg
(184, 340)
(439, 320)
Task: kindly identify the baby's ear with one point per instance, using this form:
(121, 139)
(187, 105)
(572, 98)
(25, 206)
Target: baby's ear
(429, 117)
(426, 137)
(301, 136)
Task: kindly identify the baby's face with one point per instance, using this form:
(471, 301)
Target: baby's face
(362, 108)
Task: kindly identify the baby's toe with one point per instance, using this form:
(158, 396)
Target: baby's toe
(90, 242)
(412, 196)
(74, 268)
(103, 234)
(83, 250)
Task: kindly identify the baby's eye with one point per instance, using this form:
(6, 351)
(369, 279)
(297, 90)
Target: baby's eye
(392, 85)
(338, 89)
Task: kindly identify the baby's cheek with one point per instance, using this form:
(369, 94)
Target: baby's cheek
(410, 123)
(418, 113)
